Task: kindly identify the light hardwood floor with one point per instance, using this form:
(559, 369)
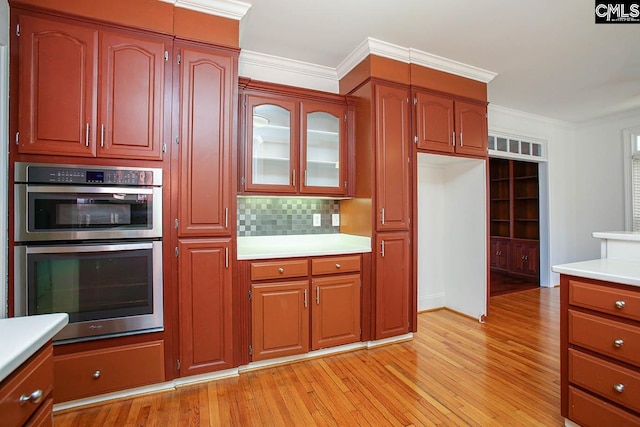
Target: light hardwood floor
(455, 372)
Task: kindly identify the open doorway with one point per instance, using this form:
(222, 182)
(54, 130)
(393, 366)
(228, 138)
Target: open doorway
(514, 230)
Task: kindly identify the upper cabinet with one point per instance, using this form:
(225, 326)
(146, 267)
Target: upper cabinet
(449, 125)
(88, 92)
(294, 143)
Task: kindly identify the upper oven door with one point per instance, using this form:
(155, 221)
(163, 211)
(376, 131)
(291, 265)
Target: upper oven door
(60, 212)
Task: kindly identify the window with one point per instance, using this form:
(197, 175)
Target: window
(516, 147)
(635, 180)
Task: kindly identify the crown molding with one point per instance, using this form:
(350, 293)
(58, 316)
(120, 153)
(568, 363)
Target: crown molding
(450, 66)
(278, 63)
(529, 116)
(231, 9)
(371, 46)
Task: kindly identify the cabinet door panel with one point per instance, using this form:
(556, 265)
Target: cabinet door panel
(434, 122)
(272, 139)
(335, 316)
(280, 319)
(323, 148)
(393, 282)
(205, 143)
(471, 128)
(57, 89)
(132, 94)
(205, 305)
(393, 191)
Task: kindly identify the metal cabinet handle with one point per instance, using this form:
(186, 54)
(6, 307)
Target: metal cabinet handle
(35, 397)
(226, 257)
(305, 177)
(102, 135)
(293, 177)
(382, 216)
(461, 143)
(619, 388)
(620, 304)
(618, 343)
(305, 298)
(453, 138)
(226, 217)
(382, 250)
(338, 266)
(281, 270)
(318, 295)
(96, 375)
(86, 135)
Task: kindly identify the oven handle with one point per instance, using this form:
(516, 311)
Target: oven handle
(87, 248)
(87, 190)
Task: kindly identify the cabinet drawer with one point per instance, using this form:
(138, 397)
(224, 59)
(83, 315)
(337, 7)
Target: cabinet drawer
(619, 302)
(341, 264)
(615, 339)
(618, 384)
(279, 269)
(589, 411)
(101, 371)
(35, 374)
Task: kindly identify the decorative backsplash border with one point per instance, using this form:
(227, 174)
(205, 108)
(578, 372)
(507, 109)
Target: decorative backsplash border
(274, 216)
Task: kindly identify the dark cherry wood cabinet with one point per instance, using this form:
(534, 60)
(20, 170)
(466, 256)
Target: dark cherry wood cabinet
(207, 80)
(335, 314)
(514, 217)
(393, 276)
(66, 109)
(205, 305)
(450, 125)
(295, 140)
(280, 319)
(393, 167)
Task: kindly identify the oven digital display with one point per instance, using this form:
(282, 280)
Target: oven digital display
(93, 176)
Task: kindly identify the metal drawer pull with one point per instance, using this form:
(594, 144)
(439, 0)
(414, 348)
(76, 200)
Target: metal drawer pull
(619, 388)
(281, 270)
(35, 397)
(338, 266)
(620, 304)
(96, 375)
(618, 343)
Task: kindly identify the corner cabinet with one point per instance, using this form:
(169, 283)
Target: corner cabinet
(295, 141)
(90, 92)
(449, 125)
(205, 216)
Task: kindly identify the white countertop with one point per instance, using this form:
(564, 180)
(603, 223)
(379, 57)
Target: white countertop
(263, 247)
(617, 235)
(612, 270)
(21, 337)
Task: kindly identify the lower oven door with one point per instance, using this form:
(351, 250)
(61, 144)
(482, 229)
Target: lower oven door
(107, 289)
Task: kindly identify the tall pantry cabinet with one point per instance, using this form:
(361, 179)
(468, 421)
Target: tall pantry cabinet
(383, 167)
(205, 216)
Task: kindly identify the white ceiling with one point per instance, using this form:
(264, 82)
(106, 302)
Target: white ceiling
(549, 56)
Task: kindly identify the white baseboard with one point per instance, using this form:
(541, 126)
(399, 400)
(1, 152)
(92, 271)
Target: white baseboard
(431, 301)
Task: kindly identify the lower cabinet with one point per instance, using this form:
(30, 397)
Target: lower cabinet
(515, 256)
(205, 286)
(95, 372)
(35, 375)
(294, 310)
(499, 255)
(392, 284)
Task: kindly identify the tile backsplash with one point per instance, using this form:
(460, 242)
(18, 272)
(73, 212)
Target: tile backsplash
(271, 216)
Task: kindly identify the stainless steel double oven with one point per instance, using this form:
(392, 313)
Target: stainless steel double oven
(88, 242)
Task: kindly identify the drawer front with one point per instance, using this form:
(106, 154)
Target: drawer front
(341, 264)
(618, 384)
(34, 375)
(615, 339)
(589, 411)
(102, 371)
(279, 269)
(620, 302)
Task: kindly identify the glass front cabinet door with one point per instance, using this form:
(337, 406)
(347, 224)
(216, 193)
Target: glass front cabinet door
(322, 148)
(271, 150)
(294, 145)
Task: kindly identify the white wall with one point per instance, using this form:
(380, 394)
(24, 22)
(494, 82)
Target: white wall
(4, 109)
(600, 179)
(452, 234)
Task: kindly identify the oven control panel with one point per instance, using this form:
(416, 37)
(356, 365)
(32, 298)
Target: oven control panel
(59, 174)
